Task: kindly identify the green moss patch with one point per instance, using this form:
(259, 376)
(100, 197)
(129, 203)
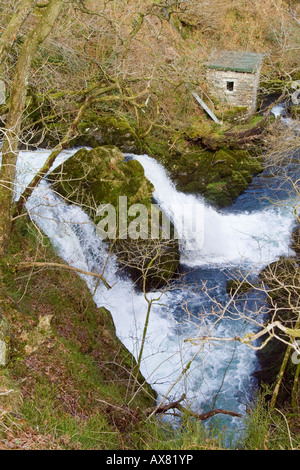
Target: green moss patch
(97, 130)
(219, 176)
(101, 176)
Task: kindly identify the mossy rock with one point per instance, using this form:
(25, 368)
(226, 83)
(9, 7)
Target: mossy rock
(237, 184)
(101, 176)
(159, 149)
(270, 359)
(199, 129)
(97, 130)
(236, 286)
(219, 176)
(218, 194)
(151, 263)
(279, 277)
(232, 114)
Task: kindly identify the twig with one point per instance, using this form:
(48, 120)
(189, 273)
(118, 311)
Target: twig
(6, 393)
(200, 416)
(25, 265)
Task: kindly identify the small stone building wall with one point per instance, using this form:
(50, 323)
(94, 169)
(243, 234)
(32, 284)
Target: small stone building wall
(244, 92)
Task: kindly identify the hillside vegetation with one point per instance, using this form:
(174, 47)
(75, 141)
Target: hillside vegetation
(118, 74)
(137, 62)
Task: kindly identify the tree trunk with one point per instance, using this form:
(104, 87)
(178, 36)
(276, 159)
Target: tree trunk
(9, 35)
(280, 377)
(51, 159)
(13, 124)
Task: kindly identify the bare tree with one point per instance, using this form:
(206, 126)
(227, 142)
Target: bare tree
(13, 123)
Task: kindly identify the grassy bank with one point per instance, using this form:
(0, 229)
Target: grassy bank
(68, 375)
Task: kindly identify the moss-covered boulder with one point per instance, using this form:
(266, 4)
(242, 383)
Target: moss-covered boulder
(101, 176)
(46, 114)
(151, 263)
(204, 159)
(219, 176)
(96, 130)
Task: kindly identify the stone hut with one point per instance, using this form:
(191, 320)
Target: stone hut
(233, 78)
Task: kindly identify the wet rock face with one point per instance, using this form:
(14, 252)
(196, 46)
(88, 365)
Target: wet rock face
(282, 278)
(219, 176)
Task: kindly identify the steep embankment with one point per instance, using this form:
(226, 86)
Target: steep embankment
(279, 364)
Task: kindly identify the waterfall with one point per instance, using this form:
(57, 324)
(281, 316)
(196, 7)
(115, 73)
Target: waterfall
(221, 372)
(253, 239)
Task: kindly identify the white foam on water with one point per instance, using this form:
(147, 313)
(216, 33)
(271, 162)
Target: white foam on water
(278, 110)
(255, 238)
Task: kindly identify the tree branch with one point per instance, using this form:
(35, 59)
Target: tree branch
(26, 265)
(52, 157)
(200, 416)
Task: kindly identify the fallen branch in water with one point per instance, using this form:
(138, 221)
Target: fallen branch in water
(200, 416)
(25, 265)
(136, 413)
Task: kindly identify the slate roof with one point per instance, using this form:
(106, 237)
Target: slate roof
(247, 62)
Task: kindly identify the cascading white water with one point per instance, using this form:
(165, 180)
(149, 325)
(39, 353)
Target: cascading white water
(257, 237)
